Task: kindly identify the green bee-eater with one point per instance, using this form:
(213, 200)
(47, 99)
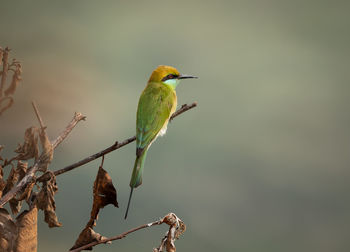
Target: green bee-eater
(156, 105)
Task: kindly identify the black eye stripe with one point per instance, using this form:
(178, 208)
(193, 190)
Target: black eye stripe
(170, 76)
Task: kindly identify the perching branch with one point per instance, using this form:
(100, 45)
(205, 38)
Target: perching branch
(31, 172)
(183, 109)
(114, 147)
(176, 228)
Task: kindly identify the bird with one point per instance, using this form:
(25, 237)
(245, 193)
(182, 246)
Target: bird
(157, 103)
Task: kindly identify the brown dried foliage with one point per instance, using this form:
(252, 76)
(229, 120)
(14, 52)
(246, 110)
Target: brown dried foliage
(27, 231)
(176, 228)
(46, 202)
(87, 236)
(16, 175)
(2, 181)
(30, 148)
(11, 180)
(104, 193)
(8, 231)
(26, 151)
(8, 90)
(19, 236)
(16, 78)
(47, 151)
(23, 236)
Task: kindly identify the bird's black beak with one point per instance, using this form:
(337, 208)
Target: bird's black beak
(187, 77)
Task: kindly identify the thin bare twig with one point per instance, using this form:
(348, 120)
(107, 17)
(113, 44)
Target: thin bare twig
(42, 126)
(77, 118)
(171, 219)
(114, 147)
(30, 173)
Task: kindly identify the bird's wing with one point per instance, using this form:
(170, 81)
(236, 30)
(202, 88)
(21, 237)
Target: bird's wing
(154, 109)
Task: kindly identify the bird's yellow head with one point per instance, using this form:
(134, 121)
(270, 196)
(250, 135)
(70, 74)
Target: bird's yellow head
(168, 75)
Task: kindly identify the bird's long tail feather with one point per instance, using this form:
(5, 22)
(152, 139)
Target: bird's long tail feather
(136, 178)
(127, 209)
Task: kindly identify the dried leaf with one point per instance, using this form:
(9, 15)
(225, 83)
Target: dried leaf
(172, 220)
(30, 148)
(21, 169)
(8, 231)
(27, 223)
(2, 186)
(104, 194)
(47, 153)
(15, 176)
(45, 201)
(15, 205)
(16, 78)
(11, 180)
(87, 236)
(177, 228)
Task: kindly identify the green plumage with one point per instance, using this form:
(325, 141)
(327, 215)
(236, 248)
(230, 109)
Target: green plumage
(156, 104)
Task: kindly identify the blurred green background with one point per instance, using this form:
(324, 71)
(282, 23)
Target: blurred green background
(262, 164)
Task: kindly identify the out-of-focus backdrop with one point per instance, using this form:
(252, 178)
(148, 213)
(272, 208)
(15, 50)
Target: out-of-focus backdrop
(262, 164)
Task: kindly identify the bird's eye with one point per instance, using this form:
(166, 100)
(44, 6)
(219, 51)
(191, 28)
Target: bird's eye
(169, 76)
